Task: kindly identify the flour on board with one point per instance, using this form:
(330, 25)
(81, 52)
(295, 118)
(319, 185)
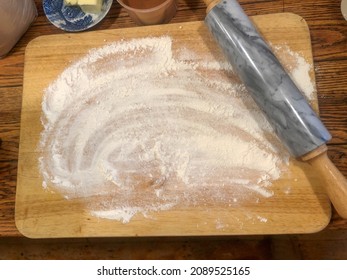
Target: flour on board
(136, 128)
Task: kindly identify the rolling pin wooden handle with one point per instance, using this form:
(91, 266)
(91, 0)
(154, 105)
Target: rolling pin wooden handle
(335, 183)
(210, 4)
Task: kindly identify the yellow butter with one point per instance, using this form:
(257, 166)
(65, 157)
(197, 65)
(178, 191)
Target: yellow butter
(71, 2)
(88, 6)
(91, 6)
(88, 2)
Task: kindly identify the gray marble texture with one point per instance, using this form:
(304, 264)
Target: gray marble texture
(286, 108)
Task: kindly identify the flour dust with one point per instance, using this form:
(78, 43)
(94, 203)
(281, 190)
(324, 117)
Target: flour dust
(136, 128)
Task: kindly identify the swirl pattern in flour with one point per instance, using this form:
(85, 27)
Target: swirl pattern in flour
(144, 130)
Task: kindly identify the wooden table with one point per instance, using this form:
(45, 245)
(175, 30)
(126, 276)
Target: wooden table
(329, 40)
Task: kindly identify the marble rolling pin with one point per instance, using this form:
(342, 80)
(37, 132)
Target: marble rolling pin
(294, 121)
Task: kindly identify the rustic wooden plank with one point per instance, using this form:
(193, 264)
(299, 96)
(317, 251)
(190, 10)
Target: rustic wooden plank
(10, 109)
(327, 245)
(329, 42)
(338, 154)
(9, 146)
(12, 100)
(315, 11)
(8, 175)
(243, 248)
(262, 7)
(331, 79)
(11, 69)
(327, 26)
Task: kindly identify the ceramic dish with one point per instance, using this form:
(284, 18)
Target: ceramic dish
(72, 18)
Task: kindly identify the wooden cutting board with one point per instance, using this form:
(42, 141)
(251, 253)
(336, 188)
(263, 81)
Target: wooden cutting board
(42, 214)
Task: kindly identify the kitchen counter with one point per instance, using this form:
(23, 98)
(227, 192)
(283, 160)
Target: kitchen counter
(329, 42)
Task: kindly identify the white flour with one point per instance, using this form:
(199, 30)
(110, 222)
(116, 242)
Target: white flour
(299, 70)
(136, 128)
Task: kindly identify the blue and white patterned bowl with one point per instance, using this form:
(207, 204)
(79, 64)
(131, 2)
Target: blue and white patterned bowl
(72, 18)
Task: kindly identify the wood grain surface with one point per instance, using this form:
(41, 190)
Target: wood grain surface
(41, 214)
(329, 39)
